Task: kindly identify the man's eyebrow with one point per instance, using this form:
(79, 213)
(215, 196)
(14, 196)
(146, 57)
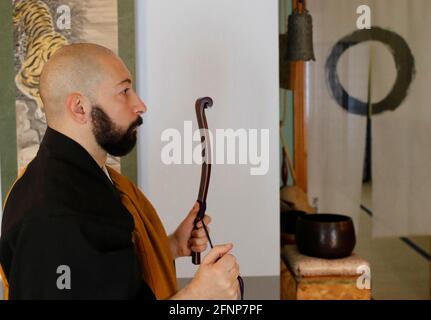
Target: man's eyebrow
(125, 81)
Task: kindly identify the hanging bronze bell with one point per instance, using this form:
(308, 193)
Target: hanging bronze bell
(300, 37)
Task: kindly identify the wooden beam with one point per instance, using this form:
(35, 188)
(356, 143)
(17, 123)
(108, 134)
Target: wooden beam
(300, 127)
(297, 83)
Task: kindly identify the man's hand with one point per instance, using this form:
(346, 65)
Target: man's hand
(216, 278)
(185, 240)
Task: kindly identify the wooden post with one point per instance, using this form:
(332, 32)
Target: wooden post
(297, 83)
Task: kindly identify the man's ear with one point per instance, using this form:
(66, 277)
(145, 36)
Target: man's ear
(78, 107)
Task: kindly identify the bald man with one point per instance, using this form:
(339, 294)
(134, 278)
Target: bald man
(73, 228)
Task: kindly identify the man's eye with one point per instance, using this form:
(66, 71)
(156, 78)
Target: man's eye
(125, 91)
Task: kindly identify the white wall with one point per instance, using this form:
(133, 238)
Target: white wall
(227, 50)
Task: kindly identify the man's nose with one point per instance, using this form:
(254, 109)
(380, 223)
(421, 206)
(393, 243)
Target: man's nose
(139, 106)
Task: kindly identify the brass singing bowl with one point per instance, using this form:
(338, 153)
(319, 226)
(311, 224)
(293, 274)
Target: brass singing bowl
(327, 236)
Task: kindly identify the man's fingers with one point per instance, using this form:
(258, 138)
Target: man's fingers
(198, 242)
(217, 252)
(234, 271)
(227, 262)
(199, 233)
(198, 248)
(207, 220)
(235, 268)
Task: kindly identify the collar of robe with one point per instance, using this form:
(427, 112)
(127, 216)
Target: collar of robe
(66, 149)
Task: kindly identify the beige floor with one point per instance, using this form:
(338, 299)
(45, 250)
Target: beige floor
(398, 271)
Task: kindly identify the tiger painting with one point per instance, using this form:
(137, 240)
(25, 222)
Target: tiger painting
(35, 20)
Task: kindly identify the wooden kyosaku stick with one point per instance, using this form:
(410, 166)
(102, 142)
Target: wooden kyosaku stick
(201, 105)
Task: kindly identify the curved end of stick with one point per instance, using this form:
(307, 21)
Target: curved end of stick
(203, 103)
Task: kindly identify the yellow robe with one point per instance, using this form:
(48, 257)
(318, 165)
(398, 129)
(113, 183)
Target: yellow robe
(150, 238)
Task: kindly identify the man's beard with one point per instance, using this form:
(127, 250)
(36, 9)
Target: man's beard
(110, 137)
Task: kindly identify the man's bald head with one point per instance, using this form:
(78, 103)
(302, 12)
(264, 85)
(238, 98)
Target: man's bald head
(76, 68)
(88, 96)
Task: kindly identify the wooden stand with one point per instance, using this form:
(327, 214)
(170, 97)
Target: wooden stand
(343, 286)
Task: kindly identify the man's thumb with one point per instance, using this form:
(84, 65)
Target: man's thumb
(194, 211)
(217, 252)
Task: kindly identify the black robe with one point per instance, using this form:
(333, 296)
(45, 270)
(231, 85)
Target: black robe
(64, 211)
